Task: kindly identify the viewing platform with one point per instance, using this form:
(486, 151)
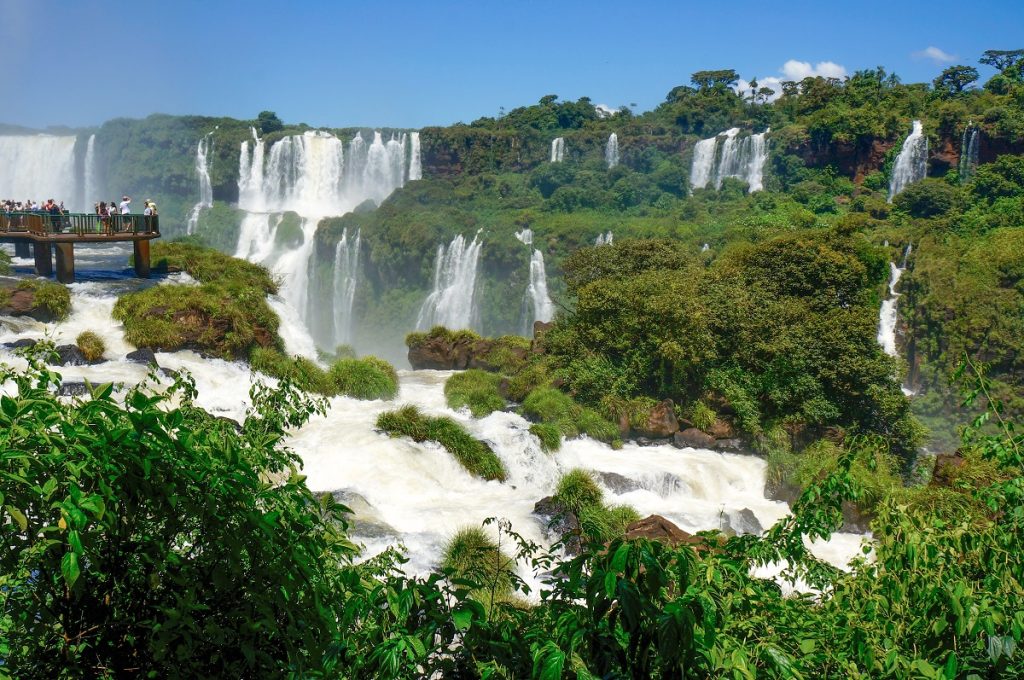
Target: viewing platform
(44, 235)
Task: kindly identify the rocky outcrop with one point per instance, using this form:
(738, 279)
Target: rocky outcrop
(947, 468)
(691, 437)
(22, 302)
(143, 356)
(660, 422)
(657, 528)
(455, 352)
(70, 355)
(560, 523)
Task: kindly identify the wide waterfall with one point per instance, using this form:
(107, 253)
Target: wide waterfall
(415, 162)
(604, 239)
(453, 303)
(537, 304)
(611, 150)
(39, 167)
(969, 152)
(742, 158)
(90, 185)
(205, 186)
(346, 271)
(912, 163)
(557, 150)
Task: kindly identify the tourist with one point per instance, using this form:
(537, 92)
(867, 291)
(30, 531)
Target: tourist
(124, 207)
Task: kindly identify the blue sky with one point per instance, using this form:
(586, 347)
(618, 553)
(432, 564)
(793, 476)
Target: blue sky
(411, 64)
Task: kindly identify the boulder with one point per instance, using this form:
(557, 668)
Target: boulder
(728, 445)
(745, 522)
(855, 520)
(657, 528)
(619, 484)
(23, 342)
(947, 467)
(70, 355)
(691, 437)
(645, 441)
(72, 389)
(22, 302)
(143, 356)
(781, 490)
(559, 522)
(660, 422)
(721, 429)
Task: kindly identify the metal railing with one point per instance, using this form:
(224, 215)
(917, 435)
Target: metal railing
(78, 224)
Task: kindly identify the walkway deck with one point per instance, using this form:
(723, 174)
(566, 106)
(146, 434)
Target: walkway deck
(46, 234)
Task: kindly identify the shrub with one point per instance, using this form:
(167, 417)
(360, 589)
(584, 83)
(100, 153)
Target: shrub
(5, 263)
(526, 380)
(210, 266)
(50, 296)
(928, 198)
(91, 345)
(508, 354)
(549, 436)
(474, 455)
(577, 490)
(552, 406)
(305, 374)
(472, 555)
(365, 378)
(578, 493)
(475, 389)
(701, 415)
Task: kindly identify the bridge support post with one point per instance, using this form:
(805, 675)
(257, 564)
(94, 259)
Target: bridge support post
(44, 258)
(141, 253)
(22, 248)
(65, 262)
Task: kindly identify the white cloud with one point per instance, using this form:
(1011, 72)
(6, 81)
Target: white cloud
(796, 71)
(936, 55)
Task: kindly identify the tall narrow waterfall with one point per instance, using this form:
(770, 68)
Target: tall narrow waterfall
(604, 239)
(887, 314)
(453, 303)
(90, 186)
(537, 304)
(205, 186)
(557, 150)
(39, 167)
(611, 150)
(415, 164)
(969, 152)
(912, 163)
(742, 158)
(346, 271)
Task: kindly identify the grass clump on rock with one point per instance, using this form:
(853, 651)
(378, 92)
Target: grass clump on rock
(365, 378)
(91, 346)
(552, 406)
(474, 556)
(578, 492)
(304, 373)
(549, 435)
(49, 296)
(475, 389)
(474, 455)
(227, 315)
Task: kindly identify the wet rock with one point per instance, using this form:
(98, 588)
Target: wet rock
(855, 519)
(19, 344)
(618, 484)
(70, 355)
(728, 445)
(781, 490)
(22, 302)
(144, 356)
(660, 421)
(745, 522)
(657, 528)
(560, 523)
(721, 429)
(693, 438)
(72, 389)
(947, 468)
(644, 441)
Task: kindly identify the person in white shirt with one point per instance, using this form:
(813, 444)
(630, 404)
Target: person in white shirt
(123, 207)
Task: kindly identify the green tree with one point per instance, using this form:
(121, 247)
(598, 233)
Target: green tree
(955, 79)
(267, 121)
(715, 80)
(1001, 59)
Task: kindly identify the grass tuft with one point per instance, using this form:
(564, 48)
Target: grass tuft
(91, 346)
(549, 435)
(475, 389)
(552, 406)
(365, 378)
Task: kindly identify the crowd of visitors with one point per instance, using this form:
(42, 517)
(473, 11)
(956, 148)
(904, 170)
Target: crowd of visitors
(108, 213)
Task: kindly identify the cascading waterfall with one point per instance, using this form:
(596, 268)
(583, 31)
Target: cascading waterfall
(705, 248)
(39, 167)
(604, 239)
(969, 152)
(452, 302)
(537, 304)
(557, 150)
(205, 186)
(611, 150)
(346, 271)
(912, 163)
(256, 237)
(743, 158)
(887, 314)
(89, 184)
(415, 164)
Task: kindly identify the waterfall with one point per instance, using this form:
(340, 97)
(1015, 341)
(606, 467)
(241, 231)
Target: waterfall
(537, 304)
(346, 270)
(415, 167)
(705, 248)
(89, 188)
(525, 236)
(912, 163)
(39, 167)
(703, 162)
(969, 152)
(743, 158)
(452, 302)
(604, 239)
(256, 237)
(558, 150)
(887, 314)
(611, 150)
(205, 186)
